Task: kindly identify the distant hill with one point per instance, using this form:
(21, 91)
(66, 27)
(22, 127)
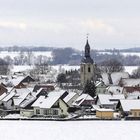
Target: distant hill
(26, 48)
(136, 49)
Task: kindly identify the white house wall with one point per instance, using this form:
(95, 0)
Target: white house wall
(8, 105)
(26, 113)
(63, 107)
(42, 111)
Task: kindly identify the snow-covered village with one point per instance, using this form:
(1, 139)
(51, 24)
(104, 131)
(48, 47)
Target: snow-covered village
(69, 69)
(90, 92)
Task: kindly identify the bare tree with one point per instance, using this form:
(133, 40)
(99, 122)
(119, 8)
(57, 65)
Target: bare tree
(110, 66)
(41, 65)
(29, 57)
(21, 57)
(136, 73)
(4, 67)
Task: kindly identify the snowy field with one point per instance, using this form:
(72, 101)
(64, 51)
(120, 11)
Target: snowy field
(123, 53)
(77, 130)
(15, 54)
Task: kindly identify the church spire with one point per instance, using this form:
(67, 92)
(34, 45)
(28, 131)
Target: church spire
(87, 58)
(87, 48)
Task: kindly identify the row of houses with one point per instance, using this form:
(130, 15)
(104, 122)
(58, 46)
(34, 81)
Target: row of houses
(28, 98)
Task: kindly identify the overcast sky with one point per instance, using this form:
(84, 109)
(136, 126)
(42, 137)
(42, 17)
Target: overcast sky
(65, 23)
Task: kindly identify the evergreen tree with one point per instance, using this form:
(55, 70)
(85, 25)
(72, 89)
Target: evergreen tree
(90, 89)
(61, 78)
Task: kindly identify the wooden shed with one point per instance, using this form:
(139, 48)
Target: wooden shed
(104, 113)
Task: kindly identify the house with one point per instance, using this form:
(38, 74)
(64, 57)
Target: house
(100, 87)
(47, 87)
(71, 97)
(51, 105)
(26, 113)
(103, 113)
(19, 81)
(25, 81)
(135, 112)
(131, 92)
(15, 98)
(7, 101)
(114, 90)
(84, 100)
(129, 107)
(129, 82)
(108, 101)
(131, 88)
(26, 109)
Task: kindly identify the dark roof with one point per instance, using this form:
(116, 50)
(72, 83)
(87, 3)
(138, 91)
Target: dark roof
(87, 58)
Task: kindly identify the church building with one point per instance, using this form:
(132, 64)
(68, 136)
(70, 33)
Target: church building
(87, 66)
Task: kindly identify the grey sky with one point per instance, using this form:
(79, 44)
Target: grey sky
(65, 23)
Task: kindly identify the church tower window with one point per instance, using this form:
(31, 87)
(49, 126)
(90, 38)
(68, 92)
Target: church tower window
(89, 69)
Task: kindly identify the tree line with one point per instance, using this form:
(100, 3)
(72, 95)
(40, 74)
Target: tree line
(66, 56)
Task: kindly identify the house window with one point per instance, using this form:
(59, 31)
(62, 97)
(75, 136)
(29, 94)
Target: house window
(135, 114)
(47, 112)
(88, 69)
(55, 112)
(37, 111)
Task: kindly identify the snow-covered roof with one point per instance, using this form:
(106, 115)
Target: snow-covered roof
(115, 89)
(95, 107)
(3, 96)
(29, 99)
(20, 95)
(14, 81)
(109, 99)
(105, 110)
(48, 101)
(98, 83)
(116, 76)
(82, 98)
(69, 96)
(9, 96)
(131, 82)
(127, 105)
(133, 95)
(36, 93)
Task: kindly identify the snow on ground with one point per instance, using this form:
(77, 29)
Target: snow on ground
(10, 116)
(56, 67)
(131, 53)
(62, 68)
(123, 53)
(71, 130)
(21, 68)
(130, 69)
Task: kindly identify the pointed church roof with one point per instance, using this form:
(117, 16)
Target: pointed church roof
(87, 58)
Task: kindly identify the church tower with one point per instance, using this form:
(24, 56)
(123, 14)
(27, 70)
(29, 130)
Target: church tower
(87, 66)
